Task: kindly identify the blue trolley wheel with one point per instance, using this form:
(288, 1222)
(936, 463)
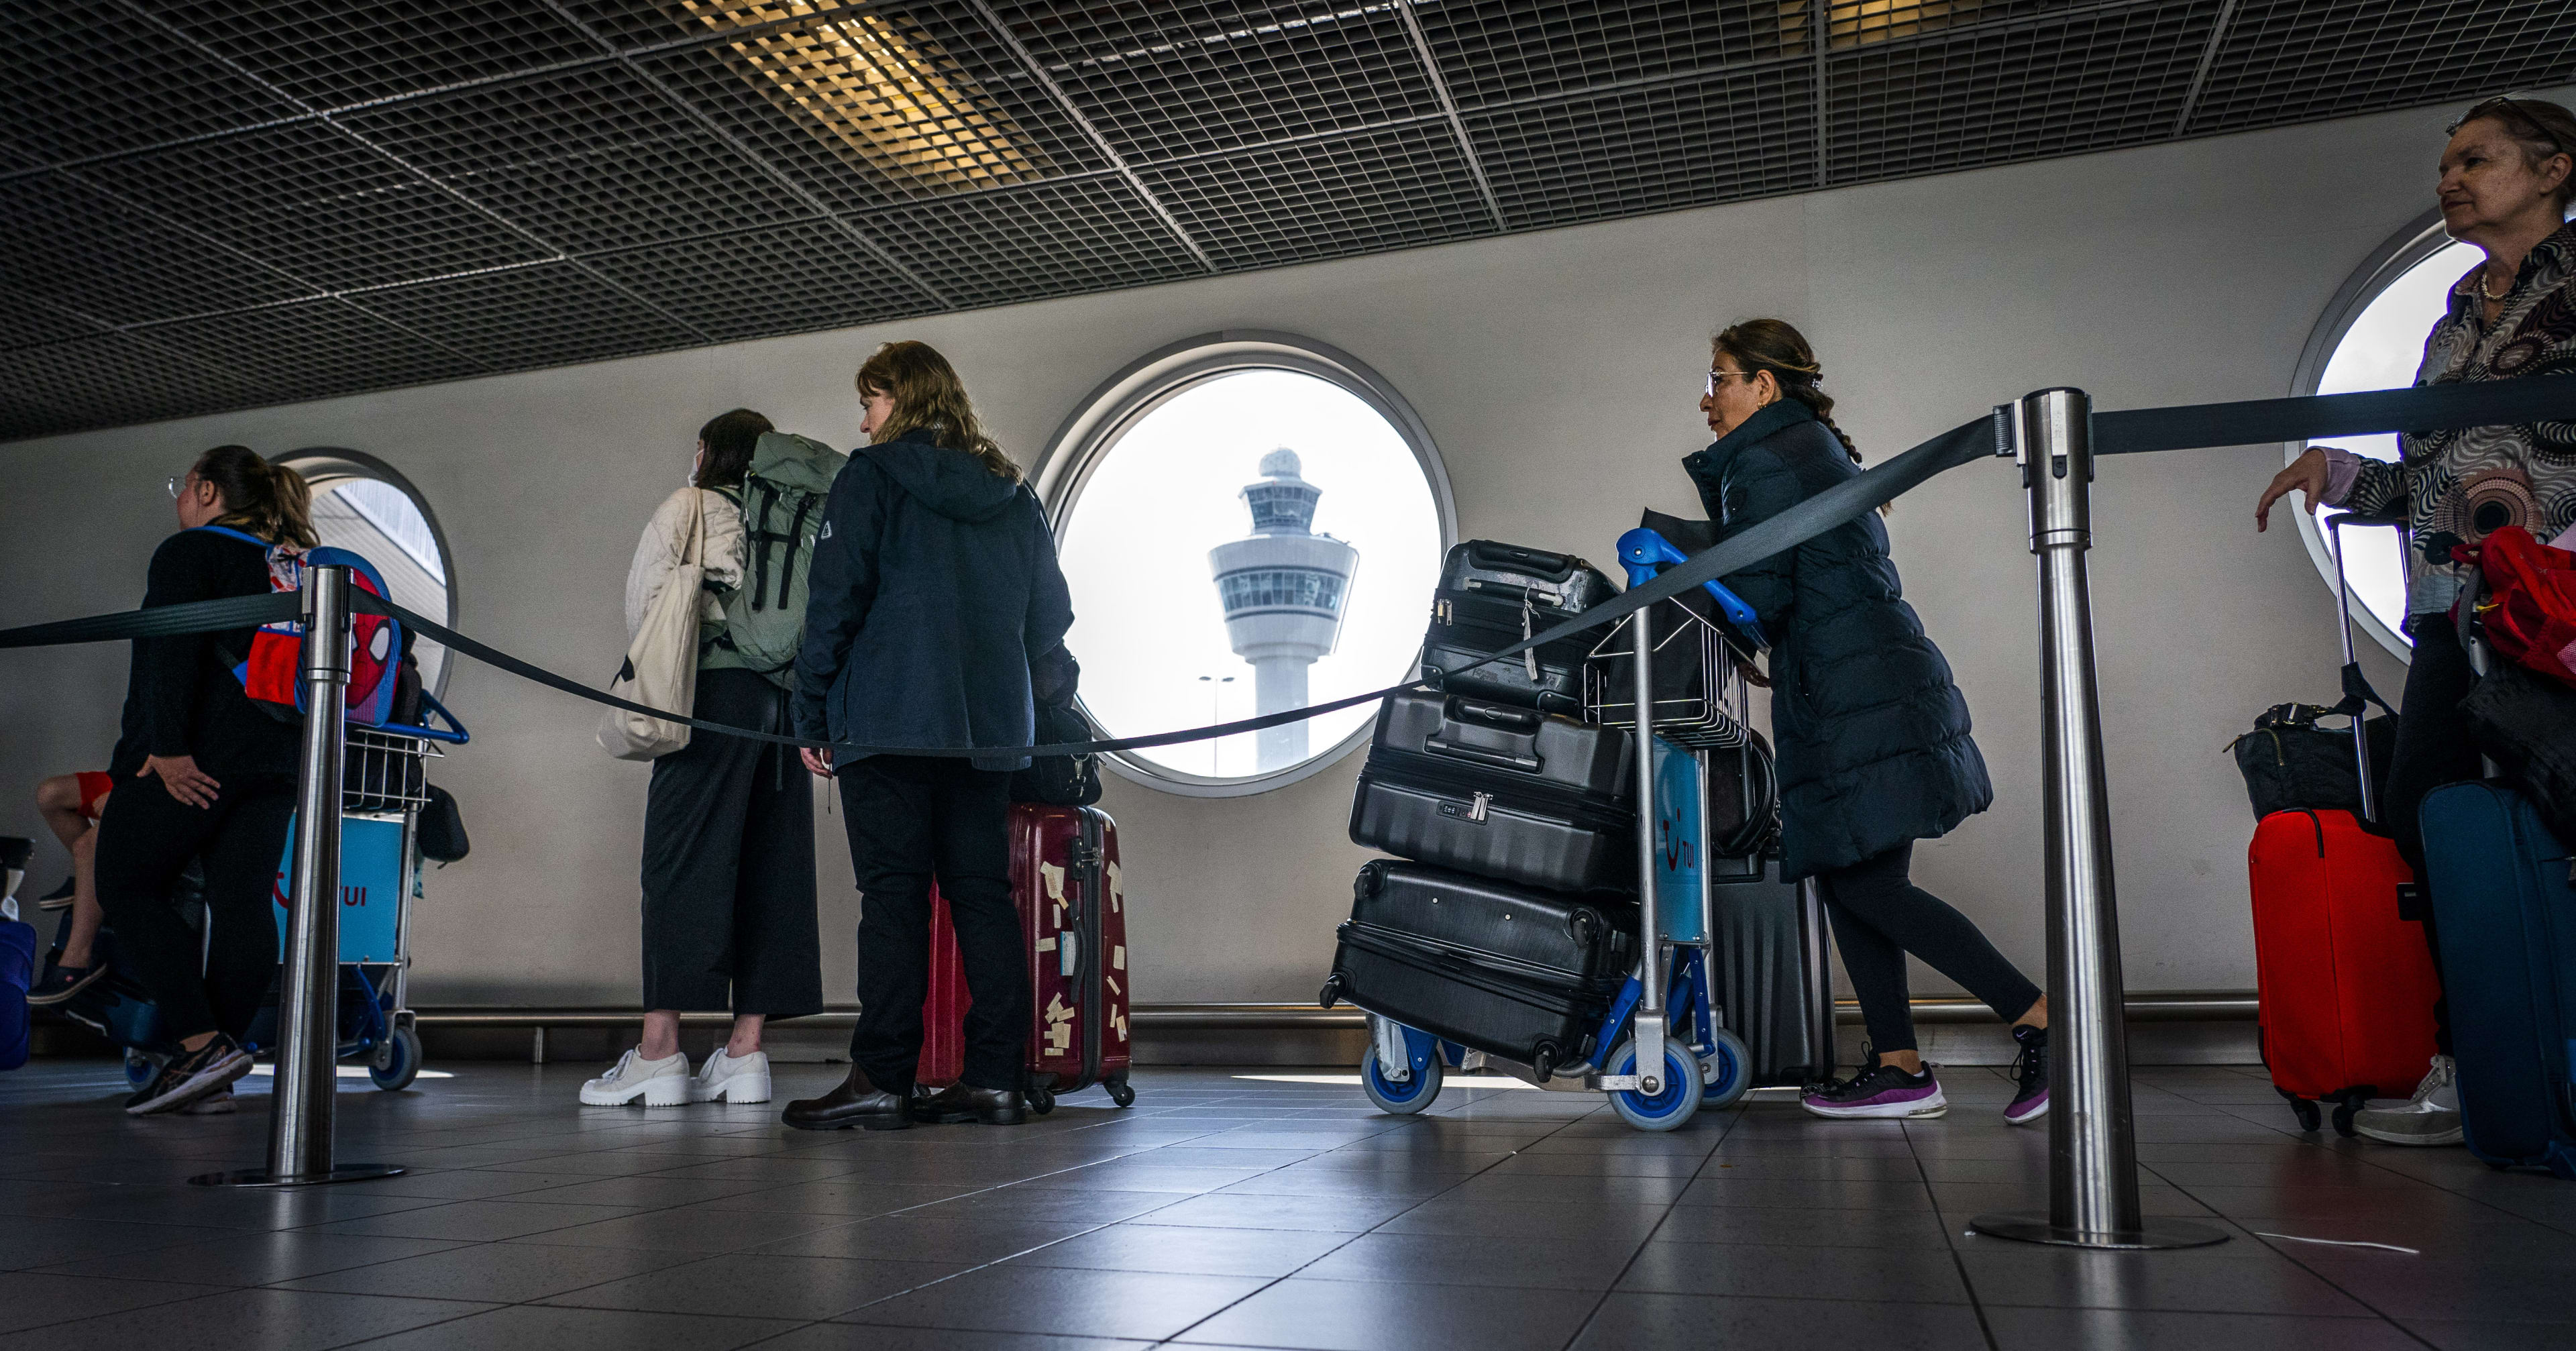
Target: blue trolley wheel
(1664, 1111)
(1725, 1072)
(139, 1069)
(397, 1061)
(1402, 1099)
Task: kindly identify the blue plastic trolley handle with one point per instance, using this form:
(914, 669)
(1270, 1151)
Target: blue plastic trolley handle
(453, 734)
(1644, 552)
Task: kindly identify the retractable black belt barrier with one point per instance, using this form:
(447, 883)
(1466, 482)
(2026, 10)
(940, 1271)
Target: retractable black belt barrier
(2424, 408)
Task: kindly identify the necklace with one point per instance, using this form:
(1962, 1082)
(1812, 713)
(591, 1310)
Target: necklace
(2493, 295)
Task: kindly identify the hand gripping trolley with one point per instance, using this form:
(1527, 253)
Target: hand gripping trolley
(1671, 673)
(385, 786)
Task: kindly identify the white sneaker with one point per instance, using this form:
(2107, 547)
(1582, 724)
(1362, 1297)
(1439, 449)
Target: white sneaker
(660, 1083)
(2431, 1117)
(731, 1078)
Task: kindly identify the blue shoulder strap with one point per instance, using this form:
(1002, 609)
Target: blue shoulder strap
(244, 536)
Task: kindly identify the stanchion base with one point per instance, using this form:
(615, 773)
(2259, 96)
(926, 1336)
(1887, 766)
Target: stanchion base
(2150, 1235)
(258, 1177)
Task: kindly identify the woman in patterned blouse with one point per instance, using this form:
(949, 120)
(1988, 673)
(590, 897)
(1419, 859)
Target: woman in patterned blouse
(2508, 177)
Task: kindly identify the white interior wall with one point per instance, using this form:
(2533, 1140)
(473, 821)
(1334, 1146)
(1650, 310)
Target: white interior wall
(1558, 373)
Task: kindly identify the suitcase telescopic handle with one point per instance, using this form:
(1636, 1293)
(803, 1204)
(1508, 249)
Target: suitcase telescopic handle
(2357, 693)
(1529, 764)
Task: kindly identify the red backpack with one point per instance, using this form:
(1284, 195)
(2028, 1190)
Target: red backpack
(272, 672)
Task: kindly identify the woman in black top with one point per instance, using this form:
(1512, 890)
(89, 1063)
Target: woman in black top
(1874, 746)
(203, 773)
(935, 588)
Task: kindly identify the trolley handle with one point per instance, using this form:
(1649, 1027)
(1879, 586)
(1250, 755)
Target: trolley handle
(453, 733)
(1644, 552)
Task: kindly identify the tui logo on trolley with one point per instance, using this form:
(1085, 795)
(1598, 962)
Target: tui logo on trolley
(1677, 843)
(371, 889)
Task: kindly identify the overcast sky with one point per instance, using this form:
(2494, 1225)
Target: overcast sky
(2381, 351)
(1147, 624)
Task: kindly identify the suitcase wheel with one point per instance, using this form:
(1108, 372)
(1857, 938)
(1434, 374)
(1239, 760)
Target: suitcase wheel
(2352, 1101)
(140, 1069)
(2304, 1109)
(1120, 1093)
(1041, 1100)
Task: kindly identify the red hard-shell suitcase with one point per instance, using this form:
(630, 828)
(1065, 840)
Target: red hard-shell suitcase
(2346, 986)
(1064, 876)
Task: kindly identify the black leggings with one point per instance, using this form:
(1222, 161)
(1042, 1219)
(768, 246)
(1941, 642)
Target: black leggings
(1879, 916)
(146, 837)
(2433, 748)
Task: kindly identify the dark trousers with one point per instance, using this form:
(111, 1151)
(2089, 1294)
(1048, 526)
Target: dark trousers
(2433, 748)
(729, 914)
(1879, 916)
(213, 982)
(913, 819)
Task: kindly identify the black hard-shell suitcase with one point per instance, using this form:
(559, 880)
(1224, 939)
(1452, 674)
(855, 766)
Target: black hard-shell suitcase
(1520, 974)
(1491, 596)
(1768, 955)
(1507, 793)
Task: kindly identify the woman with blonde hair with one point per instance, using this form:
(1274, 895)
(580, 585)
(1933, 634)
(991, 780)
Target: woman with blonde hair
(935, 592)
(201, 772)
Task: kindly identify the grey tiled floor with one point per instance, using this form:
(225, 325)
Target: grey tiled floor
(1227, 1210)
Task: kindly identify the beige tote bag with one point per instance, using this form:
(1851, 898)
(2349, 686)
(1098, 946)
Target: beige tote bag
(662, 663)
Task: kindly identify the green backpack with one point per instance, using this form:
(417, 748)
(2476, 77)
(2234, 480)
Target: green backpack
(782, 510)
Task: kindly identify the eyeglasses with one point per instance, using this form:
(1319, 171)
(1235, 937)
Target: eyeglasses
(177, 481)
(1715, 377)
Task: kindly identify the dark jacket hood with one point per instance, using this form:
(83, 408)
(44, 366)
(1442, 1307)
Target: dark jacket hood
(950, 482)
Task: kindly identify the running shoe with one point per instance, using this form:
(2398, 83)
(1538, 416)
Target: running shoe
(62, 982)
(2030, 1076)
(1880, 1091)
(2431, 1117)
(201, 1073)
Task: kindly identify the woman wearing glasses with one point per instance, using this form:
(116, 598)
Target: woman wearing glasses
(1872, 735)
(202, 773)
(2508, 179)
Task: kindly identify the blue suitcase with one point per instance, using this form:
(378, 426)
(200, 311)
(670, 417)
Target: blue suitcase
(2507, 915)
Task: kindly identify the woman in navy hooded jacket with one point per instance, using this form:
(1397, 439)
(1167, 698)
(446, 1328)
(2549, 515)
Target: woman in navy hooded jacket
(1874, 741)
(934, 591)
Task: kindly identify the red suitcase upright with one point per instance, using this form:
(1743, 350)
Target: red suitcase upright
(2346, 987)
(1064, 877)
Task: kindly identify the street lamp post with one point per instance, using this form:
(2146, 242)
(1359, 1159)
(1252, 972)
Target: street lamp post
(1214, 743)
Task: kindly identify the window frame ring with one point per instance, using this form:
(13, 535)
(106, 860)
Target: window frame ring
(1084, 440)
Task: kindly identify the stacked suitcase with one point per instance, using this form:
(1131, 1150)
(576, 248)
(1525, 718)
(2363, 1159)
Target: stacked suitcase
(1508, 921)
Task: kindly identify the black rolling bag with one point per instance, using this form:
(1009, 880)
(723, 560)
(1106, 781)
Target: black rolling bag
(1520, 974)
(1507, 793)
(1493, 595)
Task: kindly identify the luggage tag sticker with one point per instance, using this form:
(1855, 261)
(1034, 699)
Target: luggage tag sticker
(1053, 877)
(1118, 958)
(1059, 1033)
(1116, 890)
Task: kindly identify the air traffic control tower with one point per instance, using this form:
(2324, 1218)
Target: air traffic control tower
(1282, 590)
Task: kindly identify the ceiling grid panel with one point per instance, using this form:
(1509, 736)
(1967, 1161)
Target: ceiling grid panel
(1449, 110)
(760, 283)
(546, 314)
(1047, 239)
(82, 79)
(1326, 198)
(1919, 98)
(311, 348)
(334, 55)
(1749, 133)
(2296, 60)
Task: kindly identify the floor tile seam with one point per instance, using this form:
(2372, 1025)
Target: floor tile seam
(1353, 1238)
(2294, 1259)
(1958, 1260)
(203, 1292)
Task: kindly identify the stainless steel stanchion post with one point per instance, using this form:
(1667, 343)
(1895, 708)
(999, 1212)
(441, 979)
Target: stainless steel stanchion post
(1651, 1028)
(307, 1084)
(1816, 963)
(2092, 1163)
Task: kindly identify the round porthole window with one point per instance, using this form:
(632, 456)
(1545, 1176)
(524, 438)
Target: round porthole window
(1250, 523)
(2372, 337)
(361, 504)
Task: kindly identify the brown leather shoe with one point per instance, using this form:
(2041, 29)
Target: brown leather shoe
(855, 1103)
(965, 1102)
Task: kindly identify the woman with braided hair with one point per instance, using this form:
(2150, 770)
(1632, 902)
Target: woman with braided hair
(1873, 736)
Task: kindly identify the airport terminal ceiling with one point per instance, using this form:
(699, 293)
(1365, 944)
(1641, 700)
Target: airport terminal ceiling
(211, 206)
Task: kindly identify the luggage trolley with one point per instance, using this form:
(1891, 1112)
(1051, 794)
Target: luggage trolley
(1688, 655)
(384, 787)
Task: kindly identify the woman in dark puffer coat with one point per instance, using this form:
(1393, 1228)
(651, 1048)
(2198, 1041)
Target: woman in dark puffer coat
(1873, 736)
